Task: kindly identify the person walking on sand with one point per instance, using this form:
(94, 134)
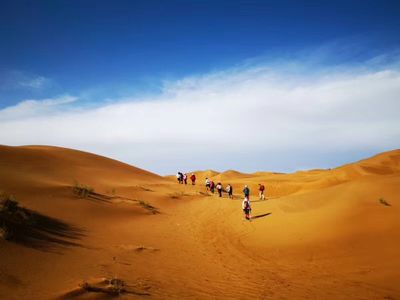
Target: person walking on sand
(219, 189)
(193, 179)
(246, 192)
(229, 190)
(185, 178)
(246, 208)
(261, 189)
(179, 177)
(212, 186)
(207, 184)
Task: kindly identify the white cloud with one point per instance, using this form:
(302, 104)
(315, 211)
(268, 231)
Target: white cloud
(35, 108)
(245, 118)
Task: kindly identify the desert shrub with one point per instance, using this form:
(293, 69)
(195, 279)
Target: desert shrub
(114, 286)
(9, 206)
(143, 188)
(148, 206)
(204, 194)
(384, 202)
(5, 234)
(81, 190)
(11, 215)
(178, 195)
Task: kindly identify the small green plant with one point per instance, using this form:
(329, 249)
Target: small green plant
(384, 202)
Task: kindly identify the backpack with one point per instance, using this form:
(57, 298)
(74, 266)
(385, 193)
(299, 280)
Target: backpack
(247, 205)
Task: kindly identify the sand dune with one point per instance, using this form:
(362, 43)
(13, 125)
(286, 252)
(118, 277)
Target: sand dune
(322, 234)
(59, 165)
(280, 184)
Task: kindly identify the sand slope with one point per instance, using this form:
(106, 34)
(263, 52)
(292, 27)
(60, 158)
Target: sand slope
(322, 234)
(57, 165)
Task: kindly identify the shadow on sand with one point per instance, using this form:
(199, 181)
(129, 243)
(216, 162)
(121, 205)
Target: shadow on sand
(261, 216)
(263, 200)
(34, 230)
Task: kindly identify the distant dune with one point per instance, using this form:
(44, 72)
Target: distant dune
(83, 218)
(200, 175)
(280, 184)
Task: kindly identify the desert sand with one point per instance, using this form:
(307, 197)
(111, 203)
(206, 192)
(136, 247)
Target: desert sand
(320, 234)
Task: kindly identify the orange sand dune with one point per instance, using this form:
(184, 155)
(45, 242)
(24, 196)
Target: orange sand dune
(280, 184)
(322, 234)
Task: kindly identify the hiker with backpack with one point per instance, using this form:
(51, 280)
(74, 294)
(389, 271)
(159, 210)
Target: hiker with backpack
(219, 189)
(246, 208)
(193, 179)
(179, 177)
(207, 184)
(212, 186)
(261, 189)
(229, 190)
(246, 192)
(184, 178)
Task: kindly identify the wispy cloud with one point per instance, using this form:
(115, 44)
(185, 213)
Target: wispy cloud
(34, 83)
(248, 118)
(16, 80)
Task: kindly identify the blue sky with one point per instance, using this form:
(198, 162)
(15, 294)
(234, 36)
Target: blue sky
(67, 58)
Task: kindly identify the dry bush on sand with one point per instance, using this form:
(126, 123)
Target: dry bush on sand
(384, 202)
(81, 190)
(148, 207)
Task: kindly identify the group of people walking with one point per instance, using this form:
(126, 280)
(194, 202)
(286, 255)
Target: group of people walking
(246, 206)
(211, 186)
(183, 178)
